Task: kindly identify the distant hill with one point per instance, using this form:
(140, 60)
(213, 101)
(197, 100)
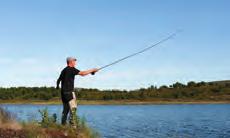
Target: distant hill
(222, 82)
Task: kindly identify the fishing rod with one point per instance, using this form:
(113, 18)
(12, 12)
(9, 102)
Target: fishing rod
(141, 51)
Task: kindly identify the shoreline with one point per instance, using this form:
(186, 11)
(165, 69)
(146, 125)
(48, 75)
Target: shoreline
(114, 102)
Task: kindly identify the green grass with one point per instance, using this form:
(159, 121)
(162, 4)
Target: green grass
(47, 127)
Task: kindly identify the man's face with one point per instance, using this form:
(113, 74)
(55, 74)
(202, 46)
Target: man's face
(72, 63)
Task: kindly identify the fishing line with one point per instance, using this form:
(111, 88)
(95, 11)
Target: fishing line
(141, 51)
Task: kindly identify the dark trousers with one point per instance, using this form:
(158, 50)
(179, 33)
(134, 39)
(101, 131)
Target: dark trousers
(71, 107)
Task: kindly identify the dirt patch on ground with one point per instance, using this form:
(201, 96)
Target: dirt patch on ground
(43, 133)
(11, 133)
(56, 134)
(10, 125)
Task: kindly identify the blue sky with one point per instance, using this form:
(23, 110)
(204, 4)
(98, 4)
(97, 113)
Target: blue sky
(37, 36)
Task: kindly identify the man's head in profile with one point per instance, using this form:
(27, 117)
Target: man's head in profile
(71, 61)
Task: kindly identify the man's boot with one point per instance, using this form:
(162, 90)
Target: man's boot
(63, 119)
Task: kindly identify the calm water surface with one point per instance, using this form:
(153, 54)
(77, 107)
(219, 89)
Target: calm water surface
(145, 121)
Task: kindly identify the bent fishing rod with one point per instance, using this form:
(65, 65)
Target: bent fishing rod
(141, 51)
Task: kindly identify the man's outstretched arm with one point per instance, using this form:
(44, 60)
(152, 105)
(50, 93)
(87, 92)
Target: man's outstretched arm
(87, 72)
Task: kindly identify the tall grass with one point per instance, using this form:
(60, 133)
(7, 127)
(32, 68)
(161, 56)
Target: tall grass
(82, 130)
(5, 116)
(48, 127)
(7, 120)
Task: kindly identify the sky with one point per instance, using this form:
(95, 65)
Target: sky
(37, 36)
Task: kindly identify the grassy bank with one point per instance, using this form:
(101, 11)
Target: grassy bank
(47, 128)
(118, 102)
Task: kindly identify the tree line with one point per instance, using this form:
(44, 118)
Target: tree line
(192, 90)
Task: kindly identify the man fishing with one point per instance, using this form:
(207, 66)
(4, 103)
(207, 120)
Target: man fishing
(66, 78)
(68, 74)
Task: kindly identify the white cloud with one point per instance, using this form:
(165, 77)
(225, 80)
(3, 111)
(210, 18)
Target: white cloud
(131, 79)
(28, 72)
(5, 61)
(41, 72)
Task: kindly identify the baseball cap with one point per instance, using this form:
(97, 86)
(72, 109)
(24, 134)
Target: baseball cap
(70, 59)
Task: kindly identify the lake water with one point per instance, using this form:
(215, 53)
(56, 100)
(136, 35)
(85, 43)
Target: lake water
(145, 121)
